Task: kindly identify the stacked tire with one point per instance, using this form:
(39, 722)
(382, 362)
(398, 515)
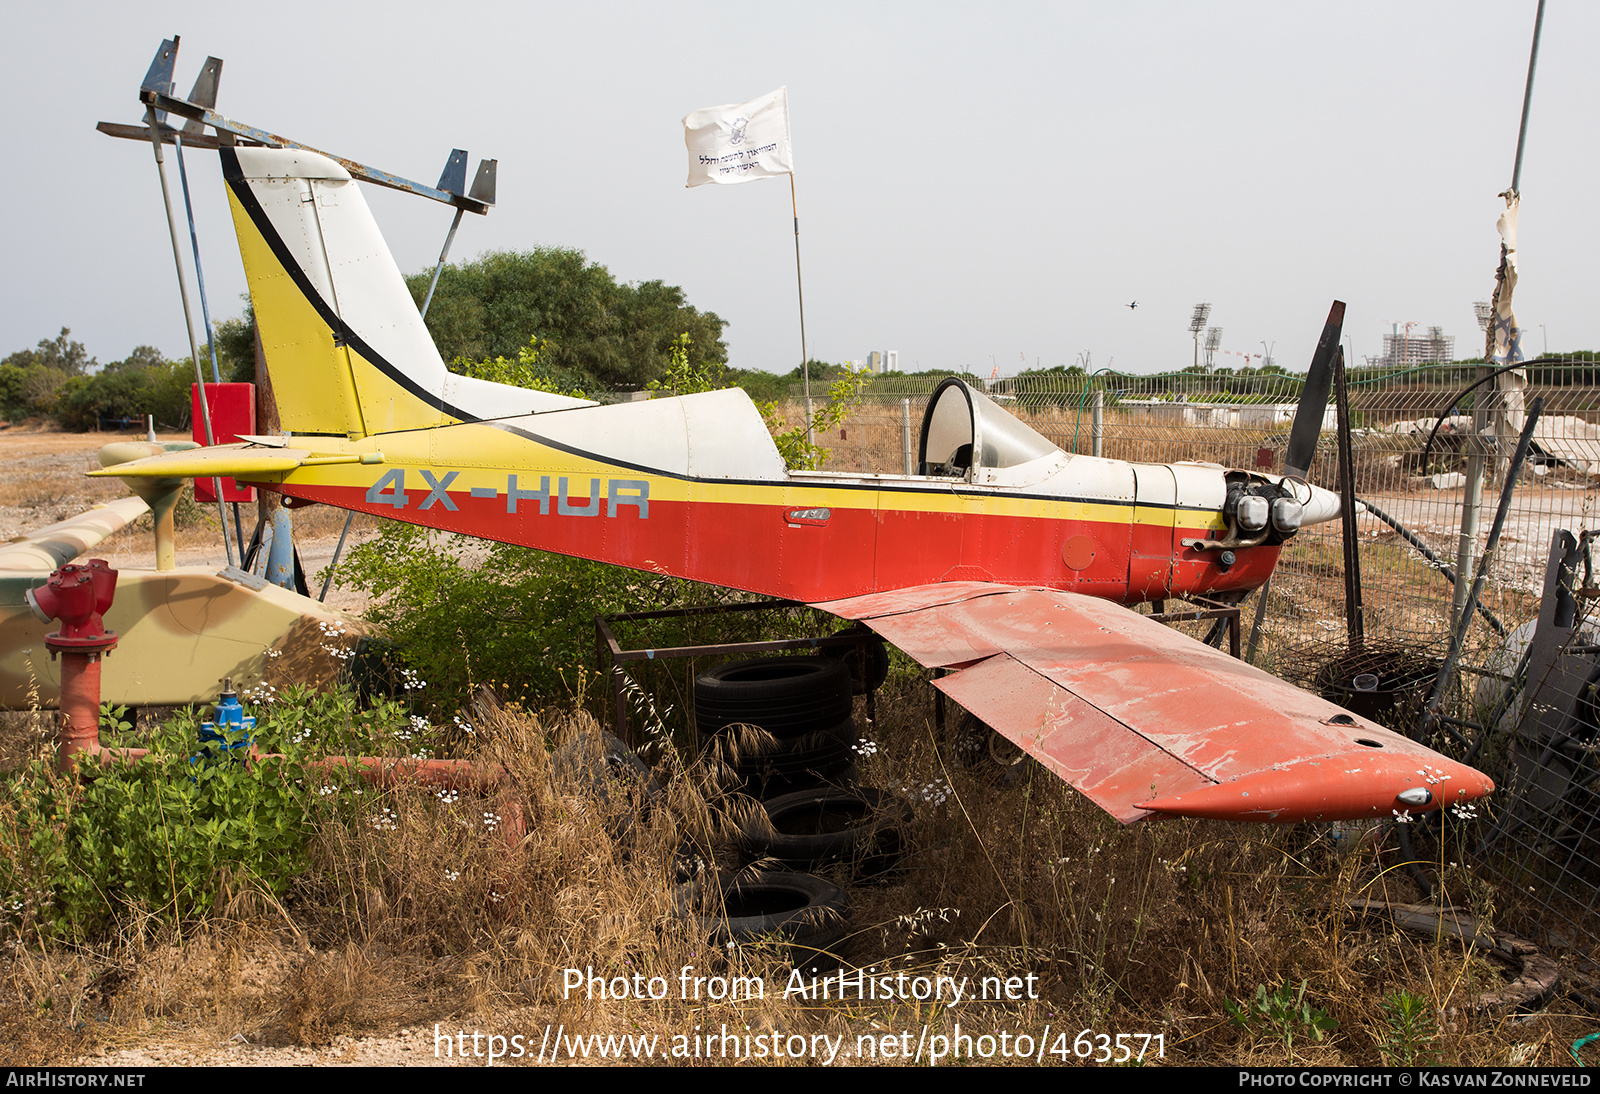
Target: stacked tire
(860, 829)
(786, 696)
(801, 707)
(784, 726)
(807, 917)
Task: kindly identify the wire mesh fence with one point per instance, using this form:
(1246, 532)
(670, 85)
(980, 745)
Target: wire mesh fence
(1542, 842)
(1417, 482)
(1419, 439)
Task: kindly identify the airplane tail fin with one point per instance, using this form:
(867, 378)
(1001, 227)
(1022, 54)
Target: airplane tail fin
(346, 350)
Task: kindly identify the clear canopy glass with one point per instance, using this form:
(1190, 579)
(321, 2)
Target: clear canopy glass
(964, 429)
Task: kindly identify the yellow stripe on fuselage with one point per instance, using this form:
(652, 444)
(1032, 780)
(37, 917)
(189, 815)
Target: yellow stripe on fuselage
(483, 456)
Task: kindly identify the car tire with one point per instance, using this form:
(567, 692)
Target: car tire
(808, 916)
(863, 828)
(873, 664)
(786, 765)
(786, 696)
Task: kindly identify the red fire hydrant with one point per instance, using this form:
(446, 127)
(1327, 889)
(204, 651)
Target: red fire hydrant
(79, 596)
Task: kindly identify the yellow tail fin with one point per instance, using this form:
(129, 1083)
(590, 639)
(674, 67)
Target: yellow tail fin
(347, 352)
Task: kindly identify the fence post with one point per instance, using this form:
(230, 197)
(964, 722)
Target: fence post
(1097, 423)
(905, 435)
(1471, 504)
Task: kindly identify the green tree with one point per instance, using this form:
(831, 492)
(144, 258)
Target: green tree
(142, 383)
(60, 353)
(531, 368)
(592, 332)
(32, 380)
(29, 389)
(605, 334)
(236, 346)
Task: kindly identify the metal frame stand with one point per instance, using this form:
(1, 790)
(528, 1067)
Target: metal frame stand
(607, 646)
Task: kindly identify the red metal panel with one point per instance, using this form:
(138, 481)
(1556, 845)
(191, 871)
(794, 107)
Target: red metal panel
(233, 415)
(1113, 766)
(935, 639)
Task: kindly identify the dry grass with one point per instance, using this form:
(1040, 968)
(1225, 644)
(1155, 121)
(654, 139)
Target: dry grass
(416, 912)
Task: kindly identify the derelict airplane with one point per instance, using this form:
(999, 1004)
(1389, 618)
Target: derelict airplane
(1004, 558)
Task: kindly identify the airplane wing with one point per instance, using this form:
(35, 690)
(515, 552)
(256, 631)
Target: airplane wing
(57, 544)
(1147, 721)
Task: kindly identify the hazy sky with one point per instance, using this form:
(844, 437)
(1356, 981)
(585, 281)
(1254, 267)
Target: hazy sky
(973, 184)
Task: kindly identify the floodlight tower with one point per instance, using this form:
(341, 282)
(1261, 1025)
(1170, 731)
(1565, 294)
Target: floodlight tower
(1213, 340)
(1197, 323)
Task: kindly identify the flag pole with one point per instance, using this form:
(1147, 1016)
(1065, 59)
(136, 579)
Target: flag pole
(805, 360)
(1527, 97)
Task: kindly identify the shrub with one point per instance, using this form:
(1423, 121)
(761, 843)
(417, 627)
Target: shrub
(165, 836)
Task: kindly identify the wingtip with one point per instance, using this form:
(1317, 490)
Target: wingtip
(1332, 788)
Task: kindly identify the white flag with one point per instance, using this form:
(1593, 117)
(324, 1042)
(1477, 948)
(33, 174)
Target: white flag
(740, 141)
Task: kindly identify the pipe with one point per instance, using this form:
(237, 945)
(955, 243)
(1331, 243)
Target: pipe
(1458, 638)
(79, 596)
(280, 555)
(1527, 98)
(1427, 552)
(327, 580)
(1097, 424)
(905, 437)
(1355, 622)
(188, 322)
(487, 780)
(449, 238)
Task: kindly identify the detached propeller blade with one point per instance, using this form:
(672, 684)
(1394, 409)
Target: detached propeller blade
(1314, 399)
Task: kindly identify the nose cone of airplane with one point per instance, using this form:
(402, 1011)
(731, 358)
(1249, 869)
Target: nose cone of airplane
(1321, 506)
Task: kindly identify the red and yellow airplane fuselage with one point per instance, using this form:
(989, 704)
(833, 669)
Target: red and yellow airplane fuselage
(809, 537)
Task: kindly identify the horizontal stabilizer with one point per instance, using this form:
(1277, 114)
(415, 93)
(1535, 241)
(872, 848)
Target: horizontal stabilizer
(1145, 720)
(226, 460)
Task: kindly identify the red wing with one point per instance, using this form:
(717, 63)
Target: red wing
(1145, 720)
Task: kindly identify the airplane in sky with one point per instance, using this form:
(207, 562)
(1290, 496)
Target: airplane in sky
(1004, 558)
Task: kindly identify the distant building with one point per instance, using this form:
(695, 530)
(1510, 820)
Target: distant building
(883, 360)
(1408, 350)
(1217, 415)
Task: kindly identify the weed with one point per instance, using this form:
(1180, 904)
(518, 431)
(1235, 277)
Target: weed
(794, 441)
(1283, 1013)
(163, 836)
(1410, 1030)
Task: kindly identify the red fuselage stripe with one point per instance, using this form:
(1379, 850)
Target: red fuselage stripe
(854, 551)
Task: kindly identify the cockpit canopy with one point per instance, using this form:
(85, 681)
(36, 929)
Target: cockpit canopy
(963, 430)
